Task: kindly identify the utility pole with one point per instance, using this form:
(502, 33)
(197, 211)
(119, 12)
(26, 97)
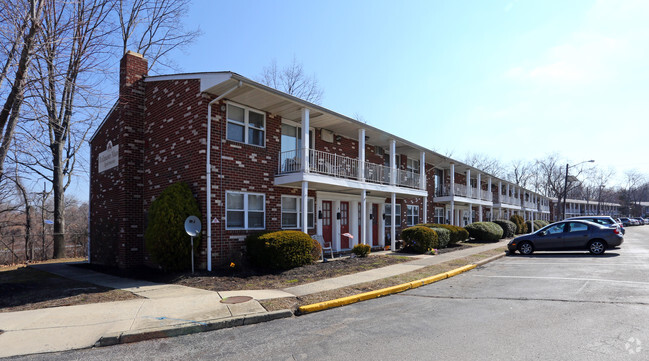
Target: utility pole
(43, 195)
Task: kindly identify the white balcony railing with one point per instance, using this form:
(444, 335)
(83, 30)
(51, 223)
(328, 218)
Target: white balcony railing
(345, 167)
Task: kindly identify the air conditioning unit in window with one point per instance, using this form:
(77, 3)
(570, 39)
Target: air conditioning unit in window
(327, 135)
(379, 150)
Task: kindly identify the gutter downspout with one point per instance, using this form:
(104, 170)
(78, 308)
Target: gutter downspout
(209, 174)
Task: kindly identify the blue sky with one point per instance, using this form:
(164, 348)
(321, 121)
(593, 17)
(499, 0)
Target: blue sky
(511, 79)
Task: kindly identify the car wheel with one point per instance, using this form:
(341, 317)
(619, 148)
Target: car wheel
(597, 246)
(525, 248)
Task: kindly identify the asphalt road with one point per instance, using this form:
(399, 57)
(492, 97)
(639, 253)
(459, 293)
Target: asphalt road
(548, 306)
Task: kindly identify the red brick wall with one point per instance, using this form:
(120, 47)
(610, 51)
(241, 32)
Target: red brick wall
(116, 232)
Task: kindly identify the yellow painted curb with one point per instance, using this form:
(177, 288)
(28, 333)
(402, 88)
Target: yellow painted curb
(383, 292)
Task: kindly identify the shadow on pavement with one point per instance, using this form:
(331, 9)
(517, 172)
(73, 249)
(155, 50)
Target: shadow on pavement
(543, 255)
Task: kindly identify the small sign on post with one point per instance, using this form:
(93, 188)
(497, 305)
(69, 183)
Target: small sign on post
(193, 228)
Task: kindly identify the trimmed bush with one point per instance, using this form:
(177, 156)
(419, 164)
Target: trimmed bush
(541, 223)
(443, 237)
(316, 251)
(521, 227)
(419, 239)
(282, 250)
(509, 227)
(485, 231)
(537, 225)
(458, 234)
(361, 250)
(165, 237)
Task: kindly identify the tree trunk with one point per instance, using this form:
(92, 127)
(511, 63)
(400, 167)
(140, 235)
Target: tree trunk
(59, 201)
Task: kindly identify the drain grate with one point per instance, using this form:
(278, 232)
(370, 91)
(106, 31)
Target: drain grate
(236, 299)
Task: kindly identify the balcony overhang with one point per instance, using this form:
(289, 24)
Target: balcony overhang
(459, 199)
(508, 206)
(327, 183)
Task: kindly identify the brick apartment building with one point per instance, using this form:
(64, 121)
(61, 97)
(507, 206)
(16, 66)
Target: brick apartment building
(271, 156)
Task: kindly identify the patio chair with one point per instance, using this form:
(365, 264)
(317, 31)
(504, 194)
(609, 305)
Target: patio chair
(326, 246)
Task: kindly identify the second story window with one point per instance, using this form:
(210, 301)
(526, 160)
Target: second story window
(246, 125)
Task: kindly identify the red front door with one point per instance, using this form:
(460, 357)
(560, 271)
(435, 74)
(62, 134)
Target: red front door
(375, 224)
(344, 224)
(326, 221)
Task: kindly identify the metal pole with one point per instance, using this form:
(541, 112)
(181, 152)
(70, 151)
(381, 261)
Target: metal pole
(192, 254)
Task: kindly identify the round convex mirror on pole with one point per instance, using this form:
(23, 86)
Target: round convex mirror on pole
(193, 228)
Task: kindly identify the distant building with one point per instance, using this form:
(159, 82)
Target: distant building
(578, 207)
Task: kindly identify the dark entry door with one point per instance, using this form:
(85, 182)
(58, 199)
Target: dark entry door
(344, 224)
(326, 221)
(375, 224)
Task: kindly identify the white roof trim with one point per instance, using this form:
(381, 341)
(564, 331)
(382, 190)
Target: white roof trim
(112, 109)
(207, 80)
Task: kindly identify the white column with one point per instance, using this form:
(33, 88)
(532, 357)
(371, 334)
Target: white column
(479, 212)
(393, 162)
(452, 190)
(361, 156)
(363, 217)
(305, 140)
(353, 222)
(422, 170)
(393, 219)
(470, 213)
(479, 187)
(425, 210)
(500, 192)
(381, 220)
(336, 225)
(532, 216)
(468, 185)
(452, 220)
(305, 198)
(489, 190)
(507, 189)
(452, 193)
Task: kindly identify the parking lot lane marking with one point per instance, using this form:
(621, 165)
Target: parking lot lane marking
(569, 279)
(574, 263)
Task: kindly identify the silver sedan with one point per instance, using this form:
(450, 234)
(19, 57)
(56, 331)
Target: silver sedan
(568, 235)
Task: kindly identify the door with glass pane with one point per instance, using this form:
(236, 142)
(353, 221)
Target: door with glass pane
(375, 224)
(326, 221)
(344, 224)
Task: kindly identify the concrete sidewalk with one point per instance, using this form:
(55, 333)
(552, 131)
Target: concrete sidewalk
(165, 310)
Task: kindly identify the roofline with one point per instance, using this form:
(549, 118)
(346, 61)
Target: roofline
(110, 112)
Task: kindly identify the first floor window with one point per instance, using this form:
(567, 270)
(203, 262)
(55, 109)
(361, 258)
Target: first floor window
(388, 215)
(292, 214)
(439, 215)
(412, 215)
(244, 210)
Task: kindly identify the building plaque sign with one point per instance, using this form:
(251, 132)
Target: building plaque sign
(109, 158)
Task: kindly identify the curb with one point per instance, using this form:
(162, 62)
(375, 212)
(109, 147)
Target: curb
(320, 306)
(186, 329)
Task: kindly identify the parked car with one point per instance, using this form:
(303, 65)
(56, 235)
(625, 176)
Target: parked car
(603, 220)
(568, 235)
(634, 222)
(640, 220)
(626, 222)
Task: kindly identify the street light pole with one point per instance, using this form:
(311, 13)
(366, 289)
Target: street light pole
(565, 185)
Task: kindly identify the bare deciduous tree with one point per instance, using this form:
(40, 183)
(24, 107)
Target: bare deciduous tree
(292, 80)
(485, 163)
(154, 28)
(22, 25)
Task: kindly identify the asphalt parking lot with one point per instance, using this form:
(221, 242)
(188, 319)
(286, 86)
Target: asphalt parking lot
(548, 306)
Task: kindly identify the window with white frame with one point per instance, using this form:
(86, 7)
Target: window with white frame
(412, 215)
(246, 125)
(292, 214)
(412, 165)
(439, 215)
(388, 215)
(244, 210)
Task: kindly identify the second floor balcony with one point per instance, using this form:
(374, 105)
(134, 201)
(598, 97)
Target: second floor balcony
(462, 190)
(345, 167)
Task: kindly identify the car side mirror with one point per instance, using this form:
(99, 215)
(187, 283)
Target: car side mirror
(543, 233)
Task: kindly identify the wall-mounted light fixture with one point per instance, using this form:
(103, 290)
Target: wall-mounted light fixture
(319, 214)
(338, 215)
(371, 215)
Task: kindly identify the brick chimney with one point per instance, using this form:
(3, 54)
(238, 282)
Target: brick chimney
(131, 110)
(132, 68)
